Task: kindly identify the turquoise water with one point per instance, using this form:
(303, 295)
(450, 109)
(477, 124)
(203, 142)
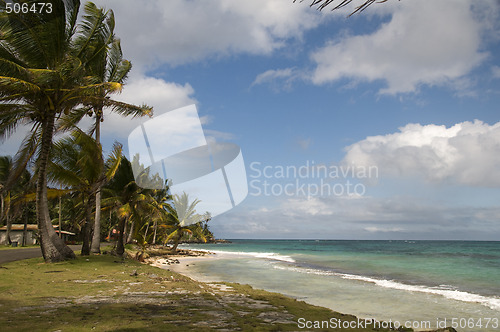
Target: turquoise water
(408, 281)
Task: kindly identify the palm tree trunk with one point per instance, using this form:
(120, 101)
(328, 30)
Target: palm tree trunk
(96, 238)
(120, 248)
(125, 230)
(53, 247)
(1, 208)
(146, 232)
(87, 227)
(9, 222)
(60, 216)
(25, 229)
(131, 232)
(155, 229)
(176, 242)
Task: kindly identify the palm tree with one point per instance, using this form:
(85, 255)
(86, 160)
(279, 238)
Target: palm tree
(125, 197)
(181, 218)
(102, 55)
(77, 163)
(5, 170)
(161, 199)
(21, 204)
(342, 3)
(43, 85)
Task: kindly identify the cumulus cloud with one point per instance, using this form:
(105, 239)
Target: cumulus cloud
(178, 31)
(424, 43)
(163, 96)
(278, 79)
(467, 153)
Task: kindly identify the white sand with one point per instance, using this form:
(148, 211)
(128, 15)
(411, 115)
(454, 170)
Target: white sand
(185, 262)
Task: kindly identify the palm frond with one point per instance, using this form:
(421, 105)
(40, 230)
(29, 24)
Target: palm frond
(118, 68)
(12, 85)
(129, 109)
(11, 117)
(25, 153)
(91, 29)
(321, 4)
(114, 160)
(69, 120)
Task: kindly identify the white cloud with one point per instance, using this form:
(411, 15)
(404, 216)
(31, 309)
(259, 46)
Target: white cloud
(424, 43)
(178, 31)
(163, 96)
(304, 143)
(496, 71)
(467, 153)
(278, 79)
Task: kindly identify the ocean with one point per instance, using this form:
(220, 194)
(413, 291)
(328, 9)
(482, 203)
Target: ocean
(420, 284)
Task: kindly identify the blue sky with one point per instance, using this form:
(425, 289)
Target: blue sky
(411, 87)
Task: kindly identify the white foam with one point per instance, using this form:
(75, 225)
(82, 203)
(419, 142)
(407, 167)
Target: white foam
(491, 302)
(266, 255)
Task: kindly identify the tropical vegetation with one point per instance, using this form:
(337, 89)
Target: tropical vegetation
(54, 71)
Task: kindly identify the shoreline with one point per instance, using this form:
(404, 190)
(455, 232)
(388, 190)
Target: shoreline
(184, 262)
(185, 267)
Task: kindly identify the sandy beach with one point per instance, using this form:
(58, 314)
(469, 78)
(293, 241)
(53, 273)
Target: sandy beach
(181, 263)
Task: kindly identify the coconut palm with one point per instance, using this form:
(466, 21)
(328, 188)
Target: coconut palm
(77, 163)
(5, 170)
(161, 199)
(125, 197)
(5, 193)
(44, 85)
(14, 195)
(183, 220)
(21, 203)
(100, 51)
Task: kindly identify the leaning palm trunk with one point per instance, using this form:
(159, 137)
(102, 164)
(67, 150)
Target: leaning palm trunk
(53, 247)
(176, 243)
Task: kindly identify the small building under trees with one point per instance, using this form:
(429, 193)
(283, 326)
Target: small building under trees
(17, 234)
